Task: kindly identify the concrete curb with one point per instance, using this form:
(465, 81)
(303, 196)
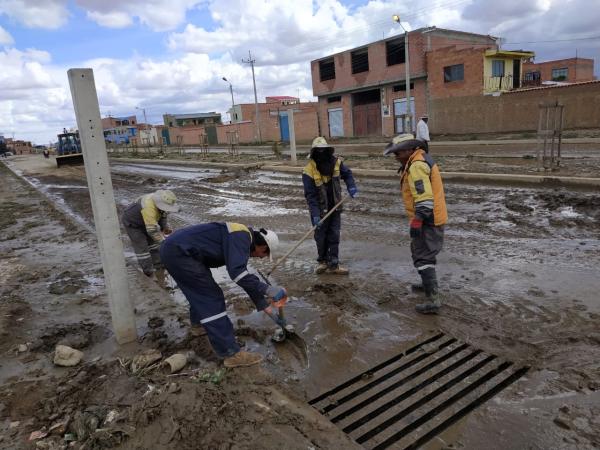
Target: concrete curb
(466, 177)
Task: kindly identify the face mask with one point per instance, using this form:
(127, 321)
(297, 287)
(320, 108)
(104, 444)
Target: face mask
(325, 161)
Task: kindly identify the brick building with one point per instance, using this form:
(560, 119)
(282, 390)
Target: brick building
(571, 70)
(273, 119)
(362, 92)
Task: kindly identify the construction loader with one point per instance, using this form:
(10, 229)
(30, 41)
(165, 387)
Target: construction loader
(68, 150)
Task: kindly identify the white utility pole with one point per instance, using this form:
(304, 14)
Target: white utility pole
(292, 135)
(251, 62)
(87, 112)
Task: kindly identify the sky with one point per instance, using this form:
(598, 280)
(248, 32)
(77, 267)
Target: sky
(169, 56)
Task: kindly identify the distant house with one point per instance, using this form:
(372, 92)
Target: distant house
(192, 119)
(119, 130)
(571, 70)
(362, 91)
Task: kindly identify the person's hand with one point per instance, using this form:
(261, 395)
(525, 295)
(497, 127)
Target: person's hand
(278, 296)
(353, 191)
(315, 221)
(416, 227)
(167, 231)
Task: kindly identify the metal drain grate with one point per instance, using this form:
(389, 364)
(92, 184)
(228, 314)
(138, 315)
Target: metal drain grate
(409, 399)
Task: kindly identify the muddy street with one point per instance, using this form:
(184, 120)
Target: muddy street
(518, 274)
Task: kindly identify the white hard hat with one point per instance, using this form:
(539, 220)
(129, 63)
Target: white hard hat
(271, 239)
(165, 200)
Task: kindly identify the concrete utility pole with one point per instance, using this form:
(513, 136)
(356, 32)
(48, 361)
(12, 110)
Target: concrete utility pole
(409, 111)
(87, 112)
(251, 62)
(292, 135)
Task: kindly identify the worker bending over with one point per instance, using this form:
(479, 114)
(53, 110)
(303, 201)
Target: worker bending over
(146, 224)
(323, 190)
(189, 253)
(425, 203)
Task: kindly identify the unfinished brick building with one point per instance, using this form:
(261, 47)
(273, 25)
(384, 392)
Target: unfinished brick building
(361, 91)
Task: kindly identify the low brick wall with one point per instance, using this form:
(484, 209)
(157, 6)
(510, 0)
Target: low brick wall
(515, 111)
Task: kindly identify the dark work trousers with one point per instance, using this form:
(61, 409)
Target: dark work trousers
(146, 250)
(207, 303)
(425, 248)
(327, 237)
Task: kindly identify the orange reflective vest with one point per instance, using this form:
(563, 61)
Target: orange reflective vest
(421, 182)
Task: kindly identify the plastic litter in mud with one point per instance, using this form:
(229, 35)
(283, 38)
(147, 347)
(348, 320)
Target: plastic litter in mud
(413, 397)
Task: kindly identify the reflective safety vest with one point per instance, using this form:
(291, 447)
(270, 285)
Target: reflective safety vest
(421, 182)
(321, 183)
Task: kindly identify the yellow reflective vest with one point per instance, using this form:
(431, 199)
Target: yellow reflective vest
(421, 183)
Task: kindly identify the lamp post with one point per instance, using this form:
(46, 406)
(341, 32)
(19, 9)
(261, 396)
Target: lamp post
(145, 125)
(232, 102)
(411, 119)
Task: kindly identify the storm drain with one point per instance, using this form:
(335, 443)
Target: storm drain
(409, 399)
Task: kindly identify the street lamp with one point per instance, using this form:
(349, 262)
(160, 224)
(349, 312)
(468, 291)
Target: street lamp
(232, 102)
(411, 119)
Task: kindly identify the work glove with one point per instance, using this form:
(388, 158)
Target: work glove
(416, 227)
(278, 295)
(315, 220)
(353, 191)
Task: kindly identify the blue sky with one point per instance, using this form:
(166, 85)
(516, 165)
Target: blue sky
(171, 55)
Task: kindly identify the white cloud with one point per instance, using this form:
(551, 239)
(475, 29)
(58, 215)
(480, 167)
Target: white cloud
(159, 15)
(5, 37)
(283, 35)
(49, 14)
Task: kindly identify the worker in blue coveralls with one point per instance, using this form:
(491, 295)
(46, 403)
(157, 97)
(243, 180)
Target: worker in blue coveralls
(323, 190)
(189, 253)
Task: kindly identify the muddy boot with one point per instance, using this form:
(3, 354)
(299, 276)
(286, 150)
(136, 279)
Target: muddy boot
(430, 286)
(337, 270)
(197, 330)
(321, 268)
(242, 359)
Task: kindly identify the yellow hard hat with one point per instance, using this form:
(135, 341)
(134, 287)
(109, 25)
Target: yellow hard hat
(320, 142)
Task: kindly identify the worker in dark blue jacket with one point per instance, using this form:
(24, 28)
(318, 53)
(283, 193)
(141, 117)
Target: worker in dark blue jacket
(323, 190)
(189, 253)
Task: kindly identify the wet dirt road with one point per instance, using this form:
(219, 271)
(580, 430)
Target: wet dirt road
(519, 276)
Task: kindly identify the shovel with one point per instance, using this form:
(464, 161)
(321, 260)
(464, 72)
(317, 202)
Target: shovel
(287, 330)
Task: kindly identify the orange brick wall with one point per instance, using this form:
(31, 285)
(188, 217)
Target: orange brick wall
(580, 69)
(471, 58)
(515, 111)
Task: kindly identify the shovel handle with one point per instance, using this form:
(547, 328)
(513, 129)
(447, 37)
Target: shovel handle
(314, 227)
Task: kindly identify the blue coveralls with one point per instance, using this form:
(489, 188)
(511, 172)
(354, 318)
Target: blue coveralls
(323, 193)
(189, 253)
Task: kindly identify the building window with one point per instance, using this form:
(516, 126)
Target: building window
(498, 68)
(394, 52)
(454, 73)
(402, 87)
(334, 99)
(560, 74)
(327, 69)
(360, 60)
(532, 76)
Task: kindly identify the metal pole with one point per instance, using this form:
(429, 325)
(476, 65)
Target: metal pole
(257, 120)
(409, 110)
(87, 112)
(292, 135)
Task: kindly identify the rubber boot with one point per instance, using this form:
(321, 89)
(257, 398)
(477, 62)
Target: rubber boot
(242, 359)
(430, 286)
(321, 268)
